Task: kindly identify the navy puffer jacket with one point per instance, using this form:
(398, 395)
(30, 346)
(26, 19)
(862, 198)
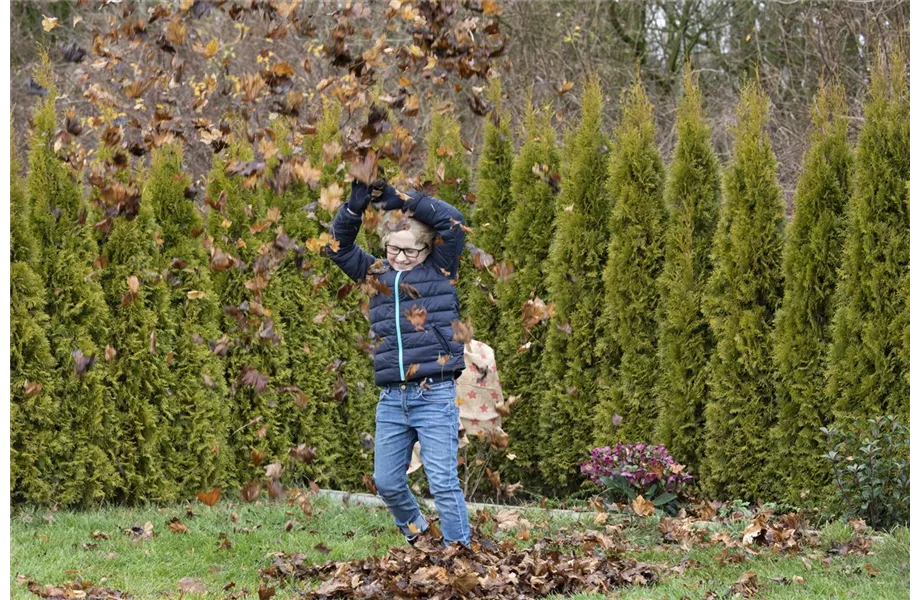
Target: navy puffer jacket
(401, 346)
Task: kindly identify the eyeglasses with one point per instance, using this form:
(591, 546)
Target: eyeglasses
(409, 252)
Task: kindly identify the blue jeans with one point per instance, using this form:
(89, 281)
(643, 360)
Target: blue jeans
(406, 413)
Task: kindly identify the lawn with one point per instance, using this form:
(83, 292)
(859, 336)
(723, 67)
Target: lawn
(226, 545)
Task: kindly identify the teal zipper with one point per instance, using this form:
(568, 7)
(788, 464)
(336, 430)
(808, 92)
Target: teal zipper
(402, 372)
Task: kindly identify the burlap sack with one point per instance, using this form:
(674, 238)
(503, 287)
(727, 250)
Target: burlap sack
(478, 391)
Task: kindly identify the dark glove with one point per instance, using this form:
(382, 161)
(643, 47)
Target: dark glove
(360, 197)
(389, 198)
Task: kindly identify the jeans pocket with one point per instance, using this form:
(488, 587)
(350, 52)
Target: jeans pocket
(442, 391)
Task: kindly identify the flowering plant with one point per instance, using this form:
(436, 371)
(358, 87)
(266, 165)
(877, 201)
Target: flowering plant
(629, 470)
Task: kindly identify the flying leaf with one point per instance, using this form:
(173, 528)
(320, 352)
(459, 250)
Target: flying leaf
(251, 490)
(330, 197)
(252, 378)
(49, 23)
(365, 170)
(82, 363)
(210, 498)
(463, 330)
(417, 315)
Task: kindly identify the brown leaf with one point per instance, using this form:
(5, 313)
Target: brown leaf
(82, 363)
(463, 330)
(330, 197)
(302, 453)
(340, 389)
(364, 170)
(369, 484)
(210, 498)
(31, 388)
(176, 526)
(409, 290)
(188, 585)
(274, 470)
(265, 591)
(251, 490)
(417, 315)
(275, 489)
(643, 507)
(252, 378)
(256, 456)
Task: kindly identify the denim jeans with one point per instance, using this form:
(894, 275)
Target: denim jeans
(406, 413)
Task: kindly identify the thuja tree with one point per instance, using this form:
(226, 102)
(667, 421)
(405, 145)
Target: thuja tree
(691, 196)
(577, 257)
(140, 386)
(529, 232)
(634, 259)
(34, 410)
(446, 168)
(199, 427)
(741, 299)
(344, 395)
(78, 315)
(811, 259)
(493, 203)
(254, 355)
(866, 368)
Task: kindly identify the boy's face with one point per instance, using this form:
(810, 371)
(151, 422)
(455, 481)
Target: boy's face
(402, 244)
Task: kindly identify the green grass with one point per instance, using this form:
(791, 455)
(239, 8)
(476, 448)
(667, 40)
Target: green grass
(55, 547)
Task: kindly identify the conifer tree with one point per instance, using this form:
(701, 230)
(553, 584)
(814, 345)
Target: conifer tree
(79, 318)
(140, 387)
(685, 341)
(866, 371)
(634, 260)
(345, 391)
(741, 299)
(255, 357)
(811, 258)
(490, 214)
(34, 410)
(198, 433)
(529, 233)
(577, 257)
(446, 168)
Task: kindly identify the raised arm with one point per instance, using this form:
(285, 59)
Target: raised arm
(350, 257)
(446, 221)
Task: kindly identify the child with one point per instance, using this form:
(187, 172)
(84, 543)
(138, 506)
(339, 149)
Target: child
(416, 362)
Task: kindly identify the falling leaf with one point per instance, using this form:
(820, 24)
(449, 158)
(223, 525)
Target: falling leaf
(31, 388)
(365, 170)
(303, 453)
(195, 295)
(330, 197)
(463, 330)
(49, 23)
(340, 389)
(274, 470)
(251, 490)
(417, 316)
(82, 363)
(209, 498)
(252, 378)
